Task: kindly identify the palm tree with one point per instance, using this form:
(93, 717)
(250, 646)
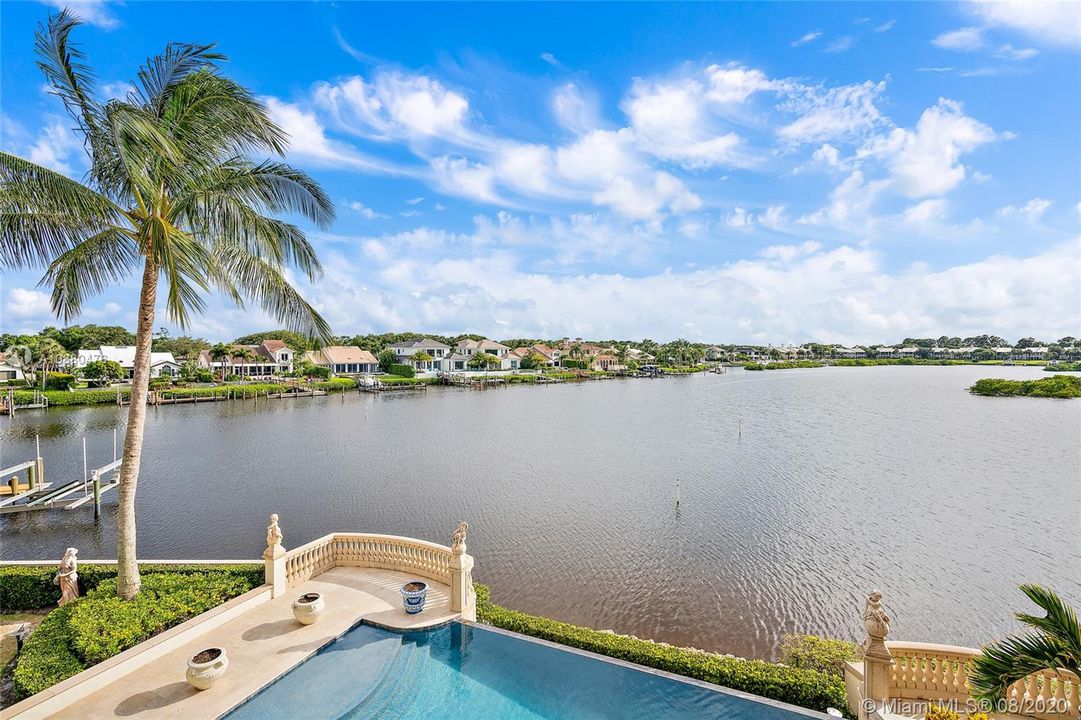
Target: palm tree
(170, 192)
(243, 354)
(1054, 644)
(49, 352)
(220, 352)
(420, 357)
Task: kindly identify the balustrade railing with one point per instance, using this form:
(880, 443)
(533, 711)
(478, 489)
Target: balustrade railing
(448, 565)
(930, 673)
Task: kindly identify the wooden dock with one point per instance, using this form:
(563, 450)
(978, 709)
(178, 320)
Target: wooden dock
(8, 406)
(378, 386)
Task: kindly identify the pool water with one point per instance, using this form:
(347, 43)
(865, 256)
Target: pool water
(465, 671)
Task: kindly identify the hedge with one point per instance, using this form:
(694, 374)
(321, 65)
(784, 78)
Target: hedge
(100, 625)
(59, 381)
(798, 686)
(787, 365)
(241, 391)
(30, 587)
(74, 397)
(817, 653)
(401, 370)
(683, 369)
(335, 384)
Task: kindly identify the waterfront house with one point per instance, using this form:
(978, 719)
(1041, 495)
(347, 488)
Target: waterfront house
(1002, 353)
(886, 352)
(507, 360)
(961, 353)
(406, 349)
(849, 352)
(715, 353)
(608, 363)
(750, 351)
(161, 363)
(908, 352)
(642, 357)
(270, 357)
(1031, 353)
(344, 360)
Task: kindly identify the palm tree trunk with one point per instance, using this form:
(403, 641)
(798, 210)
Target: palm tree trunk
(127, 579)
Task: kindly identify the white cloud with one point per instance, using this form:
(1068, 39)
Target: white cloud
(840, 112)
(308, 140)
(54, 147)
(925, 161)
(1009, 52)
(396, 105)
(809, 37)
(551, 59)
(841, 44)
(459, 176)
(1032, 211)
(574, 109)
(850, 202)
(966, 39)
(1057, 23)
(646, 202)
(95, 12)
(802, 291)
(363, 210)
(415, 200)
(928, 211)
(670, 121)
(885, 27)
(734, 83)
(28, 304)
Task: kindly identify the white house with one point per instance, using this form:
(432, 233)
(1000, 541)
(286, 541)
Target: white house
(849, 352)
(343, 359)
(1031, 353)
(908, 352)
(161, 363)
(405, 350)
(507, 360)
(887, 352)
(1002, 352)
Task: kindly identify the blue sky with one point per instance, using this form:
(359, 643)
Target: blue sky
(725, 172)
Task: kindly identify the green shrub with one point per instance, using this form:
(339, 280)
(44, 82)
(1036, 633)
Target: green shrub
(99, 625)
(103, 625)
(241, 391)
(47, 656)
(59, 381)
(395, 380)
(401, 370)
(30, 587)
(807, 688)
(76, 397)
(811, 652)
(1056, 386)
(575, 364)
(1064, 367)
(335, 384)
(787, 365)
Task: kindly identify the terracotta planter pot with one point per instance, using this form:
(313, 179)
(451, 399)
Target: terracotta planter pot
(308, 607)
(414, 594)
(205, 667)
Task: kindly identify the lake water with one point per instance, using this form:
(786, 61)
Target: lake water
(798, 492)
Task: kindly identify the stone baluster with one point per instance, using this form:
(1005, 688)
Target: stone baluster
(877, 660)
(274, 557)
(461, 575)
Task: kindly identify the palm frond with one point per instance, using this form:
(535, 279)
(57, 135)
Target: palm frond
(44, 213)
(265, 284)
(88, 268)
(160, 73)
(1060, 622)
(68, 75)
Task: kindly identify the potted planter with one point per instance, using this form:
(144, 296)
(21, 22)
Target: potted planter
(308, 607)
(414, 593)
(206, 666)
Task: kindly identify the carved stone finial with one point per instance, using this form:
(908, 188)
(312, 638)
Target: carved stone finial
(457, 540)
(273, 537)
(67, 576)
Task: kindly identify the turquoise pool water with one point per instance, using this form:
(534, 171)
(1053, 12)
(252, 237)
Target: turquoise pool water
(464, 671)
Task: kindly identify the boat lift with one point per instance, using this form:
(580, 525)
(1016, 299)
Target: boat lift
(36, 494)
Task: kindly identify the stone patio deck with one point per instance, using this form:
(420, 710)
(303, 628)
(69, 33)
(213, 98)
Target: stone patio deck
(262, 643)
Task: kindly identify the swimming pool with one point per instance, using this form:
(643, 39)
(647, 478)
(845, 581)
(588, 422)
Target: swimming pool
(462, 671)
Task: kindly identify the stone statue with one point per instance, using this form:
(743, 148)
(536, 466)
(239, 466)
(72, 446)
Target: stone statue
(875, 620)
(67, 576)
(273, 535)
(457, 540)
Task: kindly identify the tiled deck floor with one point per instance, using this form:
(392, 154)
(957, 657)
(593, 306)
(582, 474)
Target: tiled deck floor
(262, 644)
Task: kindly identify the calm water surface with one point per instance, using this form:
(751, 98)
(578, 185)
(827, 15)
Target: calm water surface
(798, 492)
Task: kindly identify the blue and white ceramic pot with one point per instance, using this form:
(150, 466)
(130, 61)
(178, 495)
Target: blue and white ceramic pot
(414, 593)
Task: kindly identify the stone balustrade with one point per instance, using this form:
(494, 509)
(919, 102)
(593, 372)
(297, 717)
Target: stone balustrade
(930, 673)
(448, 565)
